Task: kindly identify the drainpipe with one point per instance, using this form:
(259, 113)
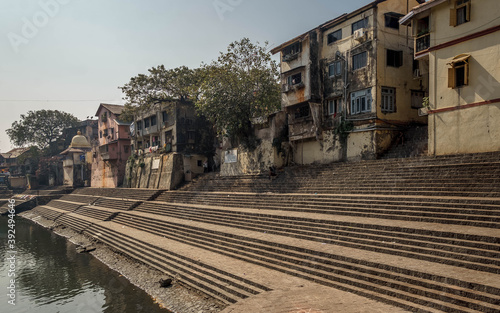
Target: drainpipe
(346, 85)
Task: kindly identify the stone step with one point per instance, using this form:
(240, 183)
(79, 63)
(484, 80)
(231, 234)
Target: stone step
(115, 203)
(79, 198)
(278, 204)
(459, 216)
(313, 200)
(219, 284)
(121, 193)
(395, 240)
(310, 263)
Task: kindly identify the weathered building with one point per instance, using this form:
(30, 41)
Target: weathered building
(170, 127)
(111, 154)
(14, 163)
(87, 128)
(350, 85)
(272, 149)
(457, 47)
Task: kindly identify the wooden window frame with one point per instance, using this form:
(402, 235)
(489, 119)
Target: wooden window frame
(388, 103)
(457, 63)
(458, 6)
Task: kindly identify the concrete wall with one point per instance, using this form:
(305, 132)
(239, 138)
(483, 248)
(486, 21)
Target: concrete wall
(18, 182)
(254, 162)
(163, 171)
(467, 119)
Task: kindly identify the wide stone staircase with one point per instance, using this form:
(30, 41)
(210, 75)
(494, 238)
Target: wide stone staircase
(421, 234)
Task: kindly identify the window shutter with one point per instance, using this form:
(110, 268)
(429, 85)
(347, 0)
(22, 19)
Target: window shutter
(468, 12)
(451, 77)
(453, 17)
(466, 73)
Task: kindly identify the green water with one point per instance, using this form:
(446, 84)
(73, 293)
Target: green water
(50, 276)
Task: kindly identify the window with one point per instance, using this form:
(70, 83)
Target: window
(112, 132)
(168, 137)
(303, 111)
(335, 69)
(146, 122)
(126, 149)
(139, 125)
(105, 132)
(153, 120)
(334, 107)
(460, 14)
(394, 58)
(359, 60)
(417, 99)
(291, 52)
(156, 140)
(332, 37)
(392, 19)
(294, 79)
(458, 73)
(361, 101)
(359, 24)
(388, 100)
(100, 134)
(164, 116)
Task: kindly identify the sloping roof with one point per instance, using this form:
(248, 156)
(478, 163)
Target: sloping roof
(14, 153)
(116, 109)
(119, 122)
(405, 20)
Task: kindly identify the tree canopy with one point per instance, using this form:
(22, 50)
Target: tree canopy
(40, 127)
(240, 85)
(161, 84)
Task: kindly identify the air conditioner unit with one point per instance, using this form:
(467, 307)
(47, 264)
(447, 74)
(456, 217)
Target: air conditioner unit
(359, 34)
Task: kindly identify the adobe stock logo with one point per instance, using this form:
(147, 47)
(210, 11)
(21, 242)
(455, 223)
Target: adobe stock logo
(30, 28)
(223, 6)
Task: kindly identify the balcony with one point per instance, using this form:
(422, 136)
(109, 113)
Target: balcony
(290, 57)
(422, 42)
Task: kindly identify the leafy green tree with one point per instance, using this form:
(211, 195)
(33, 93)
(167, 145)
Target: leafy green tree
(40, 127)
(145, 90)
(243, 83)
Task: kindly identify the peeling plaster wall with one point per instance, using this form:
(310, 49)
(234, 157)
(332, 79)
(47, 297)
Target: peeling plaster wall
(265, 155)
(360, 146)
(168, 175)
(255, 162)
(107, 174)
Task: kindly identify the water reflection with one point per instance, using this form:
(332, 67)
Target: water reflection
(52, 277)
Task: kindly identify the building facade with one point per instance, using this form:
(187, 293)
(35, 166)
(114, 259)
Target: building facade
(111, 154)
(457, 46)
(174, 127)
(350, 85)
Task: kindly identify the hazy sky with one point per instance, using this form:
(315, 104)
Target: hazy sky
(72, 55)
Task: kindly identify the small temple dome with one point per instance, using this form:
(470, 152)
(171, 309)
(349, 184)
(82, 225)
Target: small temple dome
(80, 142)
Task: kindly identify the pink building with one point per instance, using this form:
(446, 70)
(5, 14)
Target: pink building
(110, 157)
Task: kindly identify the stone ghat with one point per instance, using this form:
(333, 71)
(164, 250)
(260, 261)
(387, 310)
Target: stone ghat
(418, 235)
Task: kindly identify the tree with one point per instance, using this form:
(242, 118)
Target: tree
(240, 85)
(40, 128)
(145, 90)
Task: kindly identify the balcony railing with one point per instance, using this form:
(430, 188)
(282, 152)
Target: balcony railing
(290, 57)
(422, 42)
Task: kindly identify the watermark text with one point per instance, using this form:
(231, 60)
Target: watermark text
(11, 253)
